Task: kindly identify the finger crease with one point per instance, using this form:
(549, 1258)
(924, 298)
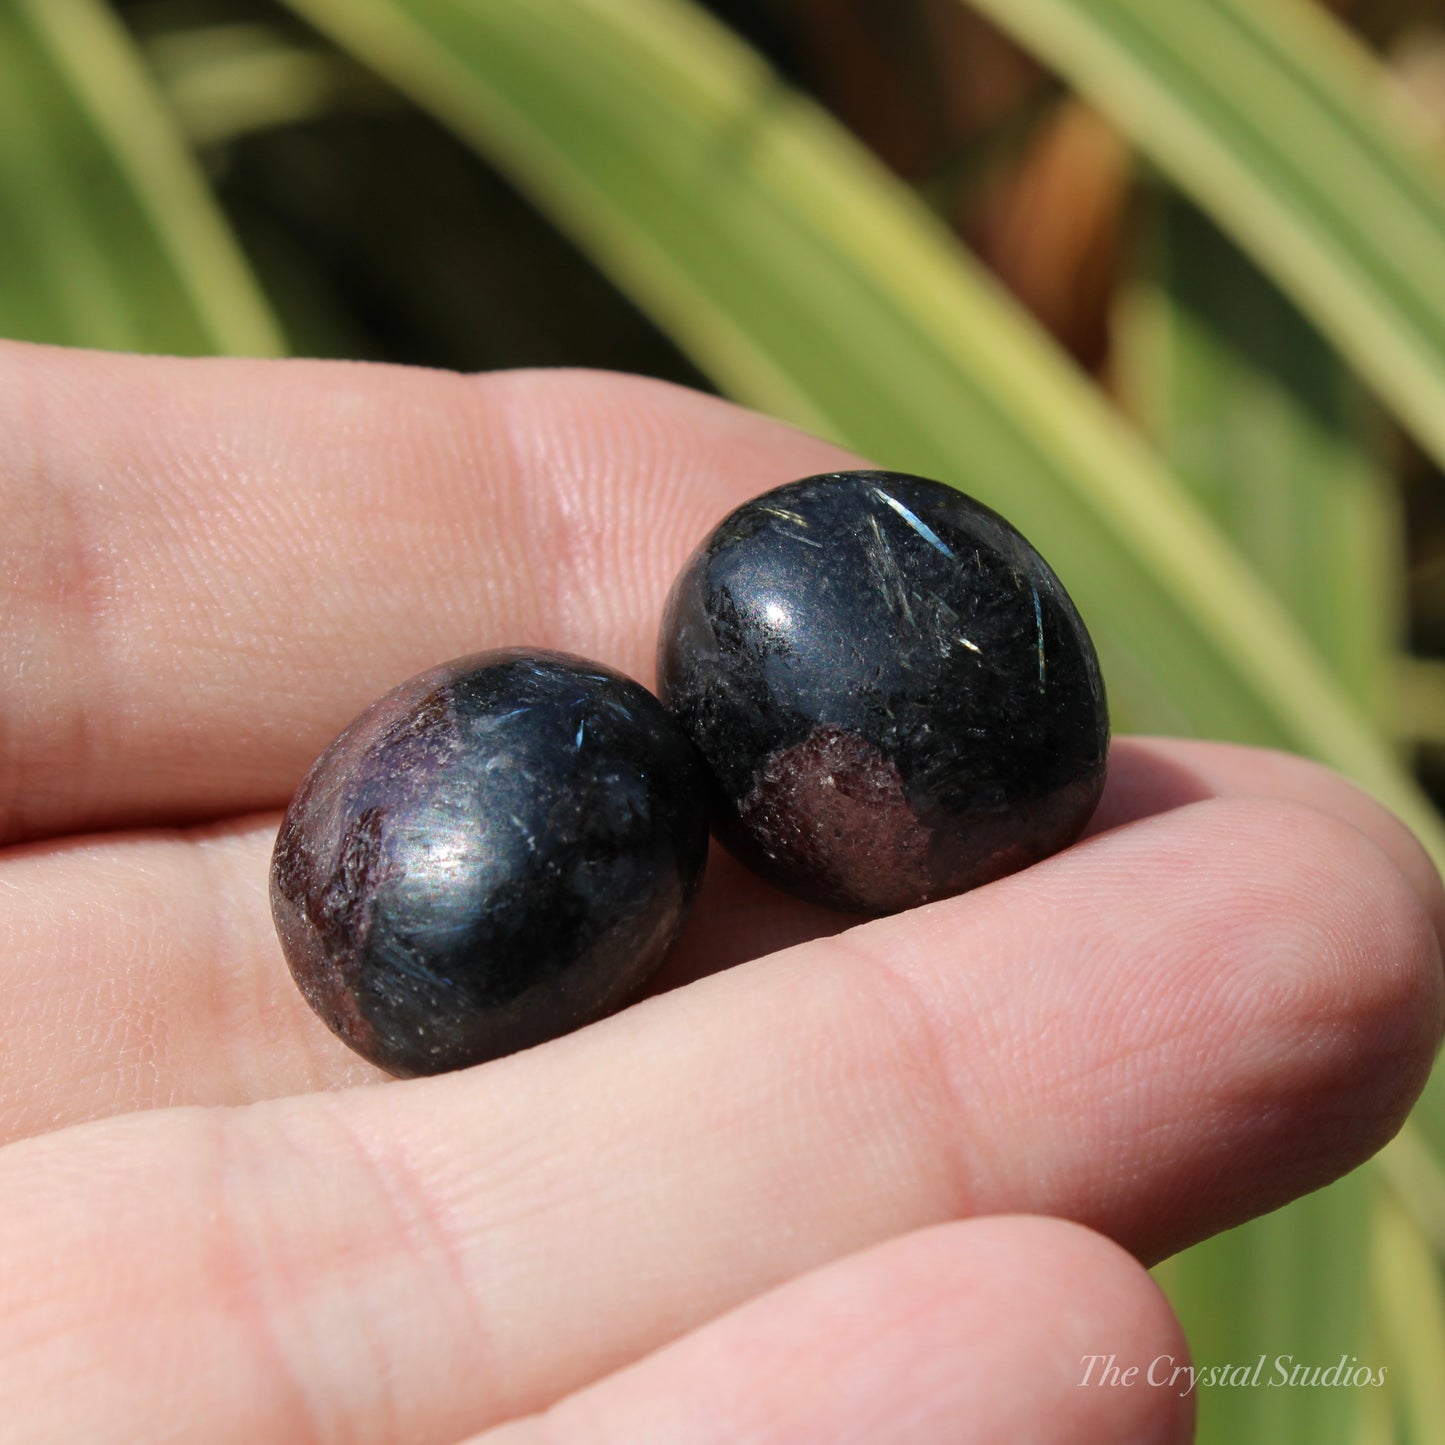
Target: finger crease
(72, 593)
(922, 1064)
(419, 1220)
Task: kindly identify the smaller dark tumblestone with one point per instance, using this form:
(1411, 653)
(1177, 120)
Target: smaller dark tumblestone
(895, 697)
(496, 853)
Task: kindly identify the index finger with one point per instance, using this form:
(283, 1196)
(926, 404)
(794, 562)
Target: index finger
(210, 566)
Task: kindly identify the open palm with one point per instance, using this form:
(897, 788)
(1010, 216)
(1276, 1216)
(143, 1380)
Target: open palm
(884, 1185)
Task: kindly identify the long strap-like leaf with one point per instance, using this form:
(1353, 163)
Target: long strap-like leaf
(1257, 414)
(109, 236)
(1269, 115)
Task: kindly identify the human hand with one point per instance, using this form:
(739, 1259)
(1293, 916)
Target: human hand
(790, 1202)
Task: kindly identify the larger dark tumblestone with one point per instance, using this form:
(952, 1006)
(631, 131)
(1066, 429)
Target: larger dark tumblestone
(895, 697)
(499, 851)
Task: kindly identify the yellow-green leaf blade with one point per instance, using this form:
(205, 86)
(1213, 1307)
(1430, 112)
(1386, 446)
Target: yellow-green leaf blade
(108, 234)
(1265, 1304)
(1410, 1306)
(1257, 415)
(1267, 114)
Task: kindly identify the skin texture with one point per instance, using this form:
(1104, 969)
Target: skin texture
(779, 1201)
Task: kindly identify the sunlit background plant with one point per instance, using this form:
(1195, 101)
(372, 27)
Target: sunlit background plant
(1162, 280)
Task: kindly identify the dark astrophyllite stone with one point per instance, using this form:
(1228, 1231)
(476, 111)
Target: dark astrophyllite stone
(497, 852)
(894, 695)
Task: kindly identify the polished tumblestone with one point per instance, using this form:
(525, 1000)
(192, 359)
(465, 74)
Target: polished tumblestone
(497, 852)
(894, 695)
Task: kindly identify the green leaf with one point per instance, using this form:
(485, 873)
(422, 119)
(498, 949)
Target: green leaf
(810, 283)
(1416, 1177)
(1420, 699)
(228, 80)
(1410, 1303)
(1255, 412)
(1258, 416)
(1278, 124)
(108, 234)
(1282, 1291)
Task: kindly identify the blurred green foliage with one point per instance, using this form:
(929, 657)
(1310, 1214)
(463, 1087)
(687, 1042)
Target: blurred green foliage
(1212, 396)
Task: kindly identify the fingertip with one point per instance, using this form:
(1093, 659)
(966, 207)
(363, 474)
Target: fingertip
(1322, 972)
(1254, 976)
(1383, 1014)
(1002, 1328)
(1113, 1334)
(1151, 775)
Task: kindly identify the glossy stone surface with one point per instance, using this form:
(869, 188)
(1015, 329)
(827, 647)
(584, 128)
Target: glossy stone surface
(894, 695)
(497, 852)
